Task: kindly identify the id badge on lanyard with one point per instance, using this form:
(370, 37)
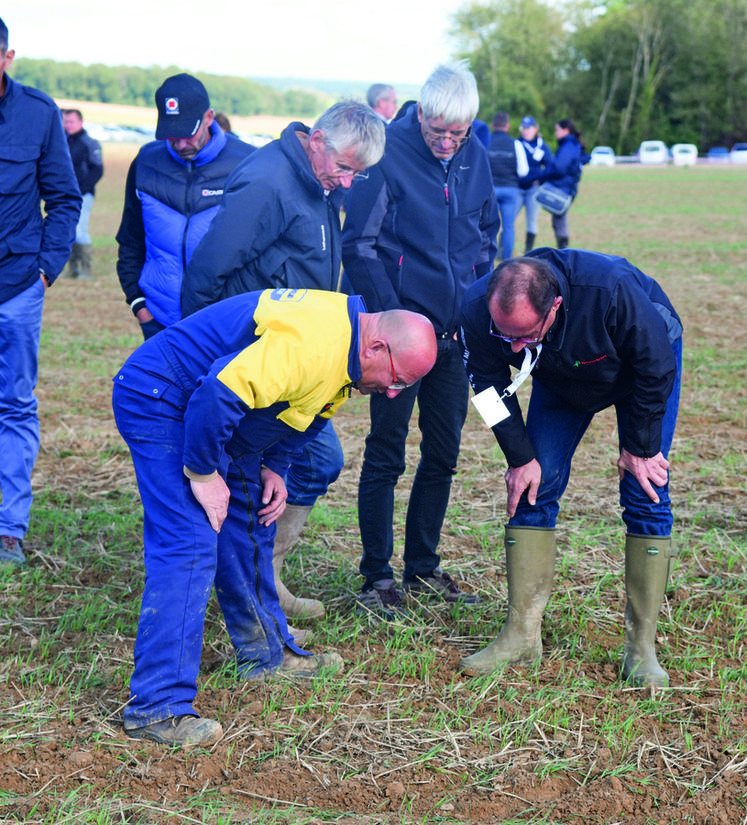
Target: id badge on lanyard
(490, 405)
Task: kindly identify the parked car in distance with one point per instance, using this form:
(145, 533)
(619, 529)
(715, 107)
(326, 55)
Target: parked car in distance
(718, 154)
(684, 154)
(602, 156)
(738, 153)
(653, 151)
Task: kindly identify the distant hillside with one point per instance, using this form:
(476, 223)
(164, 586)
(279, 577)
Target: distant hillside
(336, 88)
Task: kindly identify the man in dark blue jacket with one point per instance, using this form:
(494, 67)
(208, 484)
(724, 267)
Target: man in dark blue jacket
(279, 227)
(417, 233)
(85, 153)
(594, 332)
(173, 191)
(35, 166)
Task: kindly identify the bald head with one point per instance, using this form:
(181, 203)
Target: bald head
(396, 347)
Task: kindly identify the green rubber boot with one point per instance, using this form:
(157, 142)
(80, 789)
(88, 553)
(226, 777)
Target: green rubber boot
(289, 527)
(530, 560)
(647, 560)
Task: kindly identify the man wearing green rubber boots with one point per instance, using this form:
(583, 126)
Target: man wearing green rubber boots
(594, 332)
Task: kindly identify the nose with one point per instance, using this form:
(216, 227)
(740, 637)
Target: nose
(517, 346)
(390, 393)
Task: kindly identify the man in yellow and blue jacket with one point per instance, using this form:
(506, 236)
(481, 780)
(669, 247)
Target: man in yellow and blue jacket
(213, 410)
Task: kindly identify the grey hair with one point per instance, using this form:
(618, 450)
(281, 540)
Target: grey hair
(350, 124)
(3, 37)
(377, 92)
(450, 93)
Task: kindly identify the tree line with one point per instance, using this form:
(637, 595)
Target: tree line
(133, 86)
(623, 70)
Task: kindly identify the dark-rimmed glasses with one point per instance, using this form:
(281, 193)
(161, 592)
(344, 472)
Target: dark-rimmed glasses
(496, 333)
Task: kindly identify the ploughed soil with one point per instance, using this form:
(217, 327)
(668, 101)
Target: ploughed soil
(302, 749)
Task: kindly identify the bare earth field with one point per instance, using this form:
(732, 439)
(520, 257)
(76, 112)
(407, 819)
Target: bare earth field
(393, 741)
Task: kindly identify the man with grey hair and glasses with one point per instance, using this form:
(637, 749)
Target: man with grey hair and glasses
(279, 227)
(418, 231)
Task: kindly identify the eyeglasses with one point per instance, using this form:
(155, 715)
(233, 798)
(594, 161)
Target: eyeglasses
(456, 139)
(496, 333)
(396, 384)
(344, 172)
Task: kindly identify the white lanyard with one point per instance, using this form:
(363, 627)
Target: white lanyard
(524, 373)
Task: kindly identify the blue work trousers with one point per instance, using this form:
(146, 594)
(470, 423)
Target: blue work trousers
(315, 469)
(184, 557)
(20, 329)
(442, 396)
(556, 429)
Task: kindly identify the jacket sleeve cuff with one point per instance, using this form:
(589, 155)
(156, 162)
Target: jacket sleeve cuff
(137, 305)
(192, 476)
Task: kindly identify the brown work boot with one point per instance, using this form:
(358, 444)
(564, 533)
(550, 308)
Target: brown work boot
(179, 731)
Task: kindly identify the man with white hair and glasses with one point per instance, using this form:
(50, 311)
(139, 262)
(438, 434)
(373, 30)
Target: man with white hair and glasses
(418, 231)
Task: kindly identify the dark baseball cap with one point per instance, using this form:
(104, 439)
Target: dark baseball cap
(528, 121)
(182, 101)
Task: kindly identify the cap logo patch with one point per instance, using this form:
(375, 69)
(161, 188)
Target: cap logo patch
(172, 105)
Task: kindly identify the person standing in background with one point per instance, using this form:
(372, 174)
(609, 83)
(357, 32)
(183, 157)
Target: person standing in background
(35, 167)
(383, 100)
(89, 167)
(539, 157)
(564, 172)
(508, 164)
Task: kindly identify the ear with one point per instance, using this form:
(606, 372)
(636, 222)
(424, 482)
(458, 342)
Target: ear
(374, 347)
(9, 55)
(209, 117)
(317, 141)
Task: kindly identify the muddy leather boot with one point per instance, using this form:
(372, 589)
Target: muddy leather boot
(289, 527)
(84, 271)
(529, 242)
(647, 560)
(530, 560)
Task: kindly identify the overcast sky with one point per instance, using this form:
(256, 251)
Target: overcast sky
(387, 41)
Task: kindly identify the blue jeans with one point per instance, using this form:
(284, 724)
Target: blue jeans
(442, 397)
(529, 199)
(184, 557)
(508, 199)
(556, 429)
(20, 329)
(315, 469)
(81, 230)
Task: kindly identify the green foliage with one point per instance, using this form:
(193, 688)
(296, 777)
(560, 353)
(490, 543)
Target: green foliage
(624, 70)
(129, 85)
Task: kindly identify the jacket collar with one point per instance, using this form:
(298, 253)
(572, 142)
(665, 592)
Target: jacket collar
(293, 149)
(209, 151)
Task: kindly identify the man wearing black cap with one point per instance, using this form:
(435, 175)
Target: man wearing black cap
(174, 188)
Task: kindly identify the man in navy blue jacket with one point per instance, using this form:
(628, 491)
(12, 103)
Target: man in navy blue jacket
(594, 332)
(417, 233)
(35, 166)
(173, 191)
(279, 226)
